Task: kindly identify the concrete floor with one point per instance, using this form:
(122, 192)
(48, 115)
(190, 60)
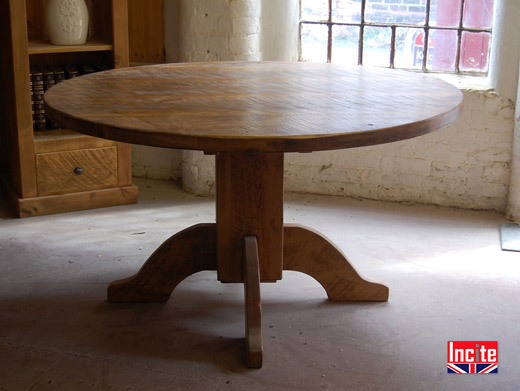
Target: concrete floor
(448, 280)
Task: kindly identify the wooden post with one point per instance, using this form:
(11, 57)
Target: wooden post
(249, 202)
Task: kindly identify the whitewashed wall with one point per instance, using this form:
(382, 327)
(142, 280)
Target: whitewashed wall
(466, 165)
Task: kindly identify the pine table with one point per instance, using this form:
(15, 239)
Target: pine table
(249, 115)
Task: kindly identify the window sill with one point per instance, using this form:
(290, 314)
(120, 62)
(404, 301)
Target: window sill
(466, 82)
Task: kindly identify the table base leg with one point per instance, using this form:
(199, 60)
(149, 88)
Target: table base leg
(185, 253)
(254, 346)
(311, 253)
(195, 249)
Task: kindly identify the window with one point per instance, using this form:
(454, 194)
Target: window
(428, 35)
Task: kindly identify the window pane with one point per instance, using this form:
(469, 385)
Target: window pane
(443, 50)
(478, 13)
(314, 10)
(474, 51)
(392, 11)
(345, 44)
(314, 39)
(346, 11)
(445, 13)
(376, 46)
(409, 48)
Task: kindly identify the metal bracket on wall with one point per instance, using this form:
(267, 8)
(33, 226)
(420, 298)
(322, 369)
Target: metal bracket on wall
(510, 237)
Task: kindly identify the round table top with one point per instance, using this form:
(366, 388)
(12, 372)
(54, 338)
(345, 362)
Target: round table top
(254, 106)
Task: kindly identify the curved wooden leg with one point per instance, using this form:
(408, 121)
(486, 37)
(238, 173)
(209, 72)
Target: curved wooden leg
(189, 251)
(254, 346)
(311, 253)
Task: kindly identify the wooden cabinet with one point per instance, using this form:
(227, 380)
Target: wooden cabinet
(59, 170)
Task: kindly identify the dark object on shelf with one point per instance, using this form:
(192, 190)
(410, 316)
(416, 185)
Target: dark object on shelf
(37, 91)
(86, 69)
(71, 71)
(43, 78)
(59, 73)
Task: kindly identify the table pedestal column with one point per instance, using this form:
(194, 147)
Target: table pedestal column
(249, 244)
(249, 202)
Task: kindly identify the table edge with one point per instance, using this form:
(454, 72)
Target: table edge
(307, 143)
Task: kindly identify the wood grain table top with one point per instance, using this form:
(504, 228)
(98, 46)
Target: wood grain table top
(254, 106)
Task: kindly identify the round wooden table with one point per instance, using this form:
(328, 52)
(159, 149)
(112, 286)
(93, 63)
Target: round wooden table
(249, 115)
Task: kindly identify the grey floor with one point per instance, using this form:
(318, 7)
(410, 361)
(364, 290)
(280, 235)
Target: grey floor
(448, 280)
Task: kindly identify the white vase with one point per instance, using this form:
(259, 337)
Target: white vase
(67, 22)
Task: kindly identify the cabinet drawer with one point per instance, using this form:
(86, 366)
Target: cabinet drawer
(72, 171)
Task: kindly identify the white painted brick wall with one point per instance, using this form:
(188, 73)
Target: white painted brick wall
(198, 173)
(219, 30)
(156, 163)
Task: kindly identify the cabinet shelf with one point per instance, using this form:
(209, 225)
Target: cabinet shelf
(66, 140)
(56, 134)
(39, 46)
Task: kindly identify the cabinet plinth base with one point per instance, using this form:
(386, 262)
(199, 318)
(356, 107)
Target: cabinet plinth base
(71, 202)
